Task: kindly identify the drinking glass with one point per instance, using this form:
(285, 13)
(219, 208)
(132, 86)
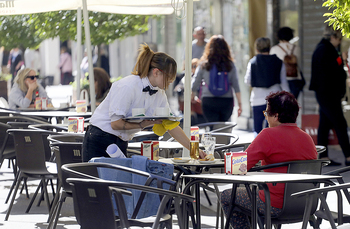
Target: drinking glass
(204, 140)
(210, 145)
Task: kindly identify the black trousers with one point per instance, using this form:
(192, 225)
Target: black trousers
(216, 109)
(96, 142)
(331, 116)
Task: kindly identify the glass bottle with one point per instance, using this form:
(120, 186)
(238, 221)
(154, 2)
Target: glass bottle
(194, 150)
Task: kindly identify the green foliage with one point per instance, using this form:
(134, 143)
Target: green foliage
(5, 77)
(85, 83)
(115, 79)
(30, 30)
(16, 31)
(104, 27)
(339, 16)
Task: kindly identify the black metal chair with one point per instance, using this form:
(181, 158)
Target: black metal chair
(7, 147)
(21, 118)
(32, 161)
(217, 126)
(7, 150)
(49, 127)
(332, 217)
(93, 203)
(65, 152)
(91, 171)
(292, 207)
(66, 137)
(323, 211)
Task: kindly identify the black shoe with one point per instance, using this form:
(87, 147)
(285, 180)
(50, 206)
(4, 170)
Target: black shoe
(334, 163)
(347, 163)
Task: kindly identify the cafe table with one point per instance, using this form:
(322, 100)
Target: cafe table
(252, 179)
(169, 147)
(59, 115)
(193, 166)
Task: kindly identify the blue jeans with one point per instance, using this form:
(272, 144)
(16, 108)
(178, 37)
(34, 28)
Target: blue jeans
(96, 142)
(259, 118)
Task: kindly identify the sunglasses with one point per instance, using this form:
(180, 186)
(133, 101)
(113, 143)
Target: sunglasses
(32, 77)
(265, 113)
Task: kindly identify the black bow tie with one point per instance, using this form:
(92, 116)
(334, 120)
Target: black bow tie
(149, 90)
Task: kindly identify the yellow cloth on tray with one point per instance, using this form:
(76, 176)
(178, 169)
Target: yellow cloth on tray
(160, 129)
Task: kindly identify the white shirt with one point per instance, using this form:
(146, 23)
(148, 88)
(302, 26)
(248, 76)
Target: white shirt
(124, 95)
(258, 94)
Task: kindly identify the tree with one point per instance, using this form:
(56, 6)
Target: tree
(340, 16)
(104, 27)
(31, 30)
(15, 31)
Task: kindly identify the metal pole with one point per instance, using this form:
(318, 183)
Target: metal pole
(188, 73)
(88, 47)
(78, 76)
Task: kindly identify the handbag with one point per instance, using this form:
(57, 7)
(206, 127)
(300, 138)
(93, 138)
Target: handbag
(299, 84)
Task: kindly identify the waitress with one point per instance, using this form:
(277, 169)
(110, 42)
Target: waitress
(145, 88)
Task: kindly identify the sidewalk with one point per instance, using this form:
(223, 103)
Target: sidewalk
(37, 216)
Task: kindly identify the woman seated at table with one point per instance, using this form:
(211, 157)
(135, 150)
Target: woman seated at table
(282, 141)
(25, 89)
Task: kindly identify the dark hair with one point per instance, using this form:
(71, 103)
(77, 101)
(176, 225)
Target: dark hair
(284, 104)
(103, 81)
(147, 60)
(262, 44)
(285, 34)
(217, 52)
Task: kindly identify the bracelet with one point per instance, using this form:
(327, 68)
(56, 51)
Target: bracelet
(140, 125)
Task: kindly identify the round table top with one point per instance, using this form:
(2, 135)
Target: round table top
(162, 145)
(56, 113)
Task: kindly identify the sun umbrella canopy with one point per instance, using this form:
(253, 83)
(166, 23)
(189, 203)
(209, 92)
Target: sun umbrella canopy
(16, 7)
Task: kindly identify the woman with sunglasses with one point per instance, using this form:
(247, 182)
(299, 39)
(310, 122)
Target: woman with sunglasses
(24, 89)
(144, 88)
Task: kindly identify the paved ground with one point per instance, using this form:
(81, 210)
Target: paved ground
(37, 217)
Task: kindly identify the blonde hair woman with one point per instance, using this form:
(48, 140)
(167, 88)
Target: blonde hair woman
(24, 89)
(145, 88)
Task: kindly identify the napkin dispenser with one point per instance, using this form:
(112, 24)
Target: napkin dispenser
(236, 163)
(150, 149)
(40, 103)
(76, 124)
(81, 106)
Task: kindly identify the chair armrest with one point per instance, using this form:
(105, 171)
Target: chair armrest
(48, 127)
(323, 189)
(338, 171)
(227, 125)
(281, 164)
(233, 139)
(132, 152)
(69, 168)
(124, 185)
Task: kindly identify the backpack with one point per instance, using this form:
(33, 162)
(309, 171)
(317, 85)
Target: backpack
(291, 63)
(218, 82)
